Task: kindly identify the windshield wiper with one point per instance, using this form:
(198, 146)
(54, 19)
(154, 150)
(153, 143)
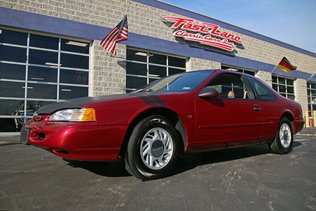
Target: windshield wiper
(142, 90)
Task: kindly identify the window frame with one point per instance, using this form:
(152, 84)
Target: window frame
(271, 98)
(246, 86)
(28, 82)
(310, 99)
(286, 85)
(148, 76)
(239, 69)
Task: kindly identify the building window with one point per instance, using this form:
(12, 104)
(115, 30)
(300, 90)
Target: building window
(311, 98)
(285, 86)
(144, 67)
(238, 69)
(36, 70)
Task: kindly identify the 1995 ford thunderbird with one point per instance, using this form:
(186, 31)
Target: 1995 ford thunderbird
(150, 128)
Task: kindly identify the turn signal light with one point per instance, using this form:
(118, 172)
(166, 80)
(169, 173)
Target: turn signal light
(88, 115)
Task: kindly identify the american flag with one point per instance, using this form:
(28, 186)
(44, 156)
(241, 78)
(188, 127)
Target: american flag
(117, 34)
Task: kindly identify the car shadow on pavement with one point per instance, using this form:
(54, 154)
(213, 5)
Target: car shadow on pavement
(109, 169)
(9, 143)
(296, 144)
(191, 161)
(185, 163)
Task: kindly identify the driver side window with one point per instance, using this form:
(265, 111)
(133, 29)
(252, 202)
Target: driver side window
(229, 86)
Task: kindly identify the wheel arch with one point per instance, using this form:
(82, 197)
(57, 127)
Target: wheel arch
(172, 116)
(288, 115)
(276, 145)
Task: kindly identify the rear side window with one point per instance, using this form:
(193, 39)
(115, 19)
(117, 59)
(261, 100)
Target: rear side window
(261, 91)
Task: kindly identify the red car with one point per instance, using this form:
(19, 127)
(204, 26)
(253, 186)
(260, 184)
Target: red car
(183, 113)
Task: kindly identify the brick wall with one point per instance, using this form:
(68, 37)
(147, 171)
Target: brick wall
(147, 20)
(265, 76)
(300, 91)
(202, 64)
(108, 74)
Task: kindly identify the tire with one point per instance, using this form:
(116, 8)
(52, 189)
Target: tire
(153, 148)
(283, 141)
(127, 167)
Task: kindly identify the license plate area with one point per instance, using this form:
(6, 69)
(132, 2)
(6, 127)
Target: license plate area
(24, 136)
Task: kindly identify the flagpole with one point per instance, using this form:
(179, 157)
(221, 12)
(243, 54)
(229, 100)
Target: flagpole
(311, 77)
(120, 29)
(275, 67)
(121, 26)
(117, 34)
(284, 65)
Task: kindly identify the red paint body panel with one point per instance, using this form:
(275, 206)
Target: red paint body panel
(78, 141)
(211, 123)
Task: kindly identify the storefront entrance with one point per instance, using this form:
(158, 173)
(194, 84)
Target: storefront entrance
(36, 70)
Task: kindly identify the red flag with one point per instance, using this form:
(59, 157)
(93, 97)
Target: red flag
(117, 34)
(285, 65)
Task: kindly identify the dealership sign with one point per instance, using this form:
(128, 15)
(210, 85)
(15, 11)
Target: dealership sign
(206, 34)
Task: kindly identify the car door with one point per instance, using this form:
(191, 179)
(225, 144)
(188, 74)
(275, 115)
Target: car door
(270, 110)
(232, 118)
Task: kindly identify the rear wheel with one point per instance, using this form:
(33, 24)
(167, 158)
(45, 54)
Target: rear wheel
(153, 148)
(283, 141)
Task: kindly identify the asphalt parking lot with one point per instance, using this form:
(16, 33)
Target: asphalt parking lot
(240, 179)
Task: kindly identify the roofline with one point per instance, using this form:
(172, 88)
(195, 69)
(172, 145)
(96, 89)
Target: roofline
(188, 13)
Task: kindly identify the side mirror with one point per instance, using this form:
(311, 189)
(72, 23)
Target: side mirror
(208, 92)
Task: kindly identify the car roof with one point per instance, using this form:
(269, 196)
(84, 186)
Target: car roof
(219, 70)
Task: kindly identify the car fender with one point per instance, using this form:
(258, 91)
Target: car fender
(168, 112)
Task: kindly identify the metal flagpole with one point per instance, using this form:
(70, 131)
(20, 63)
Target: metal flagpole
(311, 77)
(274, 69)
(275, 66)
(124, 19)
(119, 32)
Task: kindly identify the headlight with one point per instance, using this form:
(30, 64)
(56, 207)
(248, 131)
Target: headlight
(74, 115)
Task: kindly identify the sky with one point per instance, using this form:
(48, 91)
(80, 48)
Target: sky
(289, 21)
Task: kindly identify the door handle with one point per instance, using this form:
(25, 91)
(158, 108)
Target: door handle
(256, 107)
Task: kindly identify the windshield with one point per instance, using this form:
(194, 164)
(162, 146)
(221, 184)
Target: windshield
(178, 83)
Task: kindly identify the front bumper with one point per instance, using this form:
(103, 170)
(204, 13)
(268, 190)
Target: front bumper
(84, 141)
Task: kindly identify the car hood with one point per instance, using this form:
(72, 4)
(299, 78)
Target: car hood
(80, 102)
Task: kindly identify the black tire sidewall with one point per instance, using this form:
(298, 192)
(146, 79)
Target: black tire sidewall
(134, 158)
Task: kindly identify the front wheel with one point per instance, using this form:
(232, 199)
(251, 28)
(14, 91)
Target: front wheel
(283, 141)
(153, 148)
